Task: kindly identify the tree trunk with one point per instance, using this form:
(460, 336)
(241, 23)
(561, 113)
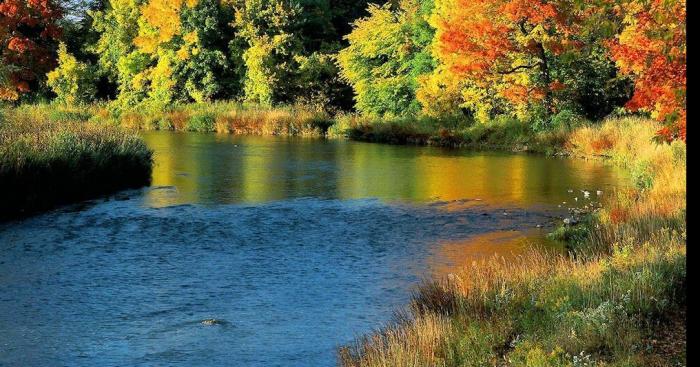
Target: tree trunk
(547, 80)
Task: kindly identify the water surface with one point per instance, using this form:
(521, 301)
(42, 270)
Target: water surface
(293, 246)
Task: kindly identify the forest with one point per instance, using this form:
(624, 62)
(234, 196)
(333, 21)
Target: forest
(543, 62)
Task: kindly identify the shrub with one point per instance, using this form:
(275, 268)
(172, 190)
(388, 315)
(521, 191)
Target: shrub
(201, 123)
(72, 81)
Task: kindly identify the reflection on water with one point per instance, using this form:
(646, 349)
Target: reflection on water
(220, 169)
(293, 246)
(450, 256)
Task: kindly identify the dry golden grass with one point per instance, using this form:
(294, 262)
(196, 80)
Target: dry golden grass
(417, 343)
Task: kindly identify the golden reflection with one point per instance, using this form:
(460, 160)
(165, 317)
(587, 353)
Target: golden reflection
(452, 256)
(376, 171)
(257, 176)
(230, 169)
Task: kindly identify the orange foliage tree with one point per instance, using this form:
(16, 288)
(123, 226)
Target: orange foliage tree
(28, 38)
(652, 48)
(503, 49)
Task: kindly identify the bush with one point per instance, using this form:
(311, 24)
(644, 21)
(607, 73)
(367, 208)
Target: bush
(72, 81)
(203, 123)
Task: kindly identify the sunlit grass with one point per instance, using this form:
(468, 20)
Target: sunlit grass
(221, 117)
(503, 134)
(47, 161)
(597, 306)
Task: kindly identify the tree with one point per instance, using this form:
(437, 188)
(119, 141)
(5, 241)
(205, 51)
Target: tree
(29, 31)
(652, 48)
(269, 30)
(72, 81)
(117, 57)
(161, 52)
(502, 49)
(386, 55)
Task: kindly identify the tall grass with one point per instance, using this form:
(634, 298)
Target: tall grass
(501, 134)
(221, 117)
(599, 306)
(47, 161)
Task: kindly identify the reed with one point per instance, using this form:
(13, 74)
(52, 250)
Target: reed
(45, 163)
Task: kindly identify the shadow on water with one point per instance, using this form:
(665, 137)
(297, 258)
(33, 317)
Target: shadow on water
(262, 251)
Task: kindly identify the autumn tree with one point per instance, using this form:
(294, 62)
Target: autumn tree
(502, 50)
(29, 31)
(652, 48)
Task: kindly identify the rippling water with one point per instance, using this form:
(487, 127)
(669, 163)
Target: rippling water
(290, 247)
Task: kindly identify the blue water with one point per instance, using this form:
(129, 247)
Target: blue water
(288, 276)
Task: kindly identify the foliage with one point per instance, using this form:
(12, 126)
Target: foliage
(28, 34)
(118, 58)
(539, 61)
(387, 53)
(502, 50)
(162, 52)
(523, 59)
(72, 81)
(652, 48)
(268, 29)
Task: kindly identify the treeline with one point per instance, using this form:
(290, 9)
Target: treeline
(543, 61)
(160, 52)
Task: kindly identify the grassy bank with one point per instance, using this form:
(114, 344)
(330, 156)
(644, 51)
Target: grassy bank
(237, 118)
(605, 304)
(505, 134)
(47, 162)
(220, 117)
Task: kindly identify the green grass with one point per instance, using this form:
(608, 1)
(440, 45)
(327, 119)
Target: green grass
(46, 162)
(504, 134)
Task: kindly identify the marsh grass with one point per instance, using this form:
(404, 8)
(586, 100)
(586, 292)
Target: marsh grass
(598, 306)
(221, 117)
(47, 161)
(502, 134)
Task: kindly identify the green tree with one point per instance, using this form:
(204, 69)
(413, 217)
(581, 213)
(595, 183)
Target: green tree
(269, 30)
(72, 81)
(388, 51)
(208, 69)
(161, 52)
(118, 59)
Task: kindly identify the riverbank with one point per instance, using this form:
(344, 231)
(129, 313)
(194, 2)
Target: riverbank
(46, 162)
(505, 135)
(603, 304)
(219, 117)
(244, 119)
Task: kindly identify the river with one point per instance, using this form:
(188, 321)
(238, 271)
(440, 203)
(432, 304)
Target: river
(293, 246)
